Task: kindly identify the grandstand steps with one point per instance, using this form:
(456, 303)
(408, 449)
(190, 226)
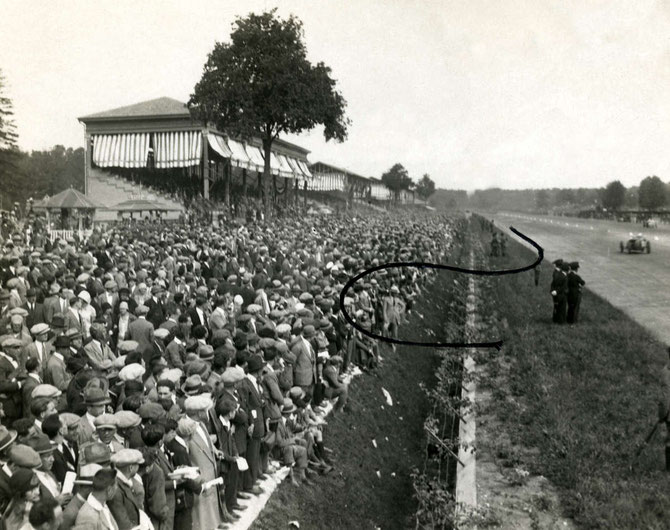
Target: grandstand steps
(110, 189)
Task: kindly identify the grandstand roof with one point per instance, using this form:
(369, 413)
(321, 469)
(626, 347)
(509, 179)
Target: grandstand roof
(333, 169)
(159, 107)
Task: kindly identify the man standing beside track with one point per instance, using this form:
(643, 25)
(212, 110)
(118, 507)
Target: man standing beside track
(559, 291)
(575, 284)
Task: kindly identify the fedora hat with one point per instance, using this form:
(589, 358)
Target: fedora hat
(7, 436)
(96, 396)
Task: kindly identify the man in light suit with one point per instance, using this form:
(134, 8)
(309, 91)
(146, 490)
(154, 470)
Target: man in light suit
(41, 349)
(95, 514)
(54, 303)
(95, 400)
(304, 369)
(72, 317)
(97, 350)
(141, 330)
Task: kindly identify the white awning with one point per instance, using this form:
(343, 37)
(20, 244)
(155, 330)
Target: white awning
(239, 155)
(275, 166)
(284, 167)
(177, 149)
(218, 143)
(305, 170)
(295, 168)
(256, 157)
(120, 150)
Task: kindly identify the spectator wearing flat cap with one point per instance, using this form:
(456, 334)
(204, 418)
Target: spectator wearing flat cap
(40, 349)
(206, 510)
(106, 432)
(128, 501)
(305, 367)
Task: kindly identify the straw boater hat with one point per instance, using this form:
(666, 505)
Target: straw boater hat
(7, 436)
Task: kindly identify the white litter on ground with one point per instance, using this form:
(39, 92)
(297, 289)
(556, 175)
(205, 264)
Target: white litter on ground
(388, 397)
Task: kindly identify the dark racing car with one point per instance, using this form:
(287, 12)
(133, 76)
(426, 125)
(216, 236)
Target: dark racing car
(636, 244)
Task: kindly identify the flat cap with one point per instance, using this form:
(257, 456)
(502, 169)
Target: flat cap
(161, 333)
(39, 329)
(11, 342)
(126, 419)
(105, 421)
(128, 346)
(126, 457)
(45, 391)
(141, 310)
(131, 371)
(232, 375)
(151, 410)
(24, 456)
(69, 419)
(198, 403)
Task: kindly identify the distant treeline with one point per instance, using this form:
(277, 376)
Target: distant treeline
(40, 173)
(554, 200)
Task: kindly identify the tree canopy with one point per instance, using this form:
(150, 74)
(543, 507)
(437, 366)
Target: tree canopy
(614, 195)
(652, 193)
(9, 153)
(397, 179)
(425, 187)
(262, 84)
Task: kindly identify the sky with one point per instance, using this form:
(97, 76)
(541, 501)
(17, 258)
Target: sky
(514, 94)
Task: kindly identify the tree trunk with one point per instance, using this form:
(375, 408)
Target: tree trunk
(267, 150)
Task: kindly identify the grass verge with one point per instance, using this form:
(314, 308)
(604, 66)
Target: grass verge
(574, 401)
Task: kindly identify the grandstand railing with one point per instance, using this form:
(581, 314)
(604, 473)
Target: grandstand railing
(66, 234)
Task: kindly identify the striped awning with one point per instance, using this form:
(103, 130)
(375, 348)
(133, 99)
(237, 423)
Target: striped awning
(295, 168)
(256, 157)
(120, 150)
(218, 144)
(285, 168)
(239, 154)
(177, 149)
(305, 170)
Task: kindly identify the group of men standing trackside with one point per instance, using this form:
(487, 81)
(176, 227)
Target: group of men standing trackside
(566, 291)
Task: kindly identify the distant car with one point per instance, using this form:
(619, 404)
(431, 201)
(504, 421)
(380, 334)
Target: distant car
(636, 244)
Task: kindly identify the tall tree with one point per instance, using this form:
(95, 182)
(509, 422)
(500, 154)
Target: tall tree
(9, 152)
(425, 187)
(613, 195)
(397, 179)
(262, 84)
(651, 194)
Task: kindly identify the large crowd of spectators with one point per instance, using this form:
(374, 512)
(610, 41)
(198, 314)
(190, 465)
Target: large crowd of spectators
(154, 374)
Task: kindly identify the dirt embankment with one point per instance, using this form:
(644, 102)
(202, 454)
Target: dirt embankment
(376, 446)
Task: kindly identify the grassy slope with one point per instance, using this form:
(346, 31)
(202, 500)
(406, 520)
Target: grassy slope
(584, 396)
(353, 496)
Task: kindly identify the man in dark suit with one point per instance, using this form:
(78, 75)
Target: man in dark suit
(221, 420)
(251, 398)
(575, 284)
(198, 313)
(36, 312)
(129, 498)
(65, 454)
(559, 291)
(10, 389)
(156, 314)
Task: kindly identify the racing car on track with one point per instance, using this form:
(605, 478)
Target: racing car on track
(637, 244)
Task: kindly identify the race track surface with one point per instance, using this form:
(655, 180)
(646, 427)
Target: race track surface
(639, 284)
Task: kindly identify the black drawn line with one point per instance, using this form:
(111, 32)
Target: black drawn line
(424, 265)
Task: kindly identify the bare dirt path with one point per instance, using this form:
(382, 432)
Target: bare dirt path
(639, 284)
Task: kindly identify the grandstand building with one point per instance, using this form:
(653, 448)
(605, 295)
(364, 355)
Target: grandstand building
(155, 155)
(156, 151)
